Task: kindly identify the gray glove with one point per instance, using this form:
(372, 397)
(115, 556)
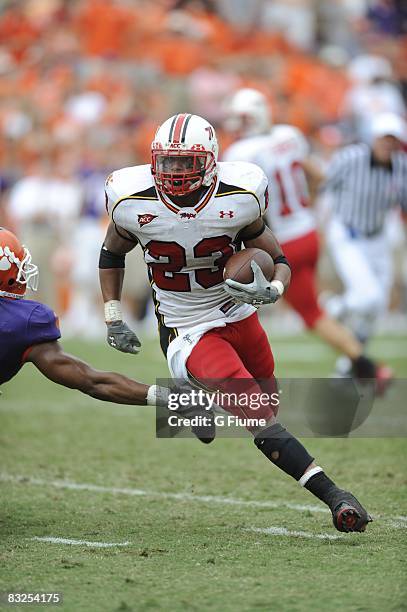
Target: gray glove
(122, 338)
(260, 291)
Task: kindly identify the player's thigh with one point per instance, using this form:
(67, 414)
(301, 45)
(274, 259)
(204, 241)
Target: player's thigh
(302, 293)
(213, 357)
(215, 364)
(303, 250)
(379, 253)
(253, 347)
(350, 259)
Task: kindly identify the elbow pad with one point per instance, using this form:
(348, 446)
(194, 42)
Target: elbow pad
(107, 259)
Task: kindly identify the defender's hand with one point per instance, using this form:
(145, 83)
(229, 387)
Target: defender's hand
(122, 338)
(260, 291)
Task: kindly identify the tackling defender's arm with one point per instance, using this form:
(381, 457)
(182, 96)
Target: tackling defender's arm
(74, 373)
(111, 275)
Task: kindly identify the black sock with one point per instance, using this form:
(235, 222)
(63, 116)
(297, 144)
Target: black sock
(363, 367)
(322, 487)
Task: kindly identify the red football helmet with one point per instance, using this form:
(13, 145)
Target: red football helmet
(16, 270)
(184, 155)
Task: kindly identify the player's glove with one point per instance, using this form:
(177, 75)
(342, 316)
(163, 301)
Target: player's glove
(260, 291)
(122, 338)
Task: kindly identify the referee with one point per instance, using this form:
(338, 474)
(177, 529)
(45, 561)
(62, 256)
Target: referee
(364, 183)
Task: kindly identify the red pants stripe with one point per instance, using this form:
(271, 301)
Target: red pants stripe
(241, 351)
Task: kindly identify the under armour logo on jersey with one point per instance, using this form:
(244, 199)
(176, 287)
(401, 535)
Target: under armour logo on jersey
(227, 213)
(144, 219)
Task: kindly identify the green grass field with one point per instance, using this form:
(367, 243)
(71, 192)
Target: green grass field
(187, 512)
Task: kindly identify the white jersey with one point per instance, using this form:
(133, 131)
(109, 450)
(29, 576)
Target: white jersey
(280, 154)
(186, 249)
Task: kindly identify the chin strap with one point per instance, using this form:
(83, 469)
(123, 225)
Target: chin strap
(14, 296)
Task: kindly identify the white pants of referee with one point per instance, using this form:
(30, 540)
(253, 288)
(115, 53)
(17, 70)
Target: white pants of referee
(365, 267)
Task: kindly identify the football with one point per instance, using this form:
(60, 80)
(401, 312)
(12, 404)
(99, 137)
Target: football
(238, 267)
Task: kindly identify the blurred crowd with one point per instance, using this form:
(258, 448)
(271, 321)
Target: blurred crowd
(84, 84)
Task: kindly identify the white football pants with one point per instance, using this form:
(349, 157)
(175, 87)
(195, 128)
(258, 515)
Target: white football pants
(365, 267)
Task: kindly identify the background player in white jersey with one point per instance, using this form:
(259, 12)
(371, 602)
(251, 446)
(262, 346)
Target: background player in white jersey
(190, 213)
(283, 154)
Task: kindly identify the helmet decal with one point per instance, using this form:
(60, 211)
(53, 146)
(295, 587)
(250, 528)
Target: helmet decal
(178, 128)
(17, 272)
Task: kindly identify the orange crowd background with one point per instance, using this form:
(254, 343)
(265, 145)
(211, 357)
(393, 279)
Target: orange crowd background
(85, 83)
(142, 61)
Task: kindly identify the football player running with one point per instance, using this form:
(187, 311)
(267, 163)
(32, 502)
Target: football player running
(29, 332)
(283, 154)
(190, 213)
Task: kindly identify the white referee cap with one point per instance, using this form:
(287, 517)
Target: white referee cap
(389, 124)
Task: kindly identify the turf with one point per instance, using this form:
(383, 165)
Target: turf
(187, 553)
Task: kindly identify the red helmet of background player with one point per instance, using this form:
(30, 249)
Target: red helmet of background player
(16, 270)
(184, 155)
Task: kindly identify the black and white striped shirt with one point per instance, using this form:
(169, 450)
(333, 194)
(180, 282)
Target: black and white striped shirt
(363, 191)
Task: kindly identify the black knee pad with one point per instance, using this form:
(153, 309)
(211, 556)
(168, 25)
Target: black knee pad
(282, 449)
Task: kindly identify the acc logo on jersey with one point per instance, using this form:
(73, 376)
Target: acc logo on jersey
(144, 219)
(226, 213)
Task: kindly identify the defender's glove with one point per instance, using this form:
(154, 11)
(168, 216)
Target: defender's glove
(122, 338)
(260, 291)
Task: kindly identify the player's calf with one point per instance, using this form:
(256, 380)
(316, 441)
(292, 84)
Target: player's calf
(287, 453)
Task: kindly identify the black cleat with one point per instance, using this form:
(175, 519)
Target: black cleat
(205, 433)
(347, 513)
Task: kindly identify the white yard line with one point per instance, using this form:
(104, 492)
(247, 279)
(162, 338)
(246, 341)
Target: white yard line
(400, 518)
(206, 499)
(210, 499)
(79, 542)
(398, 524)
(282, 531)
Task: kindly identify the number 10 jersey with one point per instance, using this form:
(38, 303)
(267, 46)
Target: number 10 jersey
(186, 249)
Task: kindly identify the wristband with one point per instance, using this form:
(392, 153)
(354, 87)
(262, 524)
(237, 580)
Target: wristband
(113, 311)
(157, 396)
(152, 395)
(279, 286)
(282, 259)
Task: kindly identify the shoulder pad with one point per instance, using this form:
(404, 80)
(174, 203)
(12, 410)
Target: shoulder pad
(43, 325)
(245, 149)
(128, 182)
(244, 175)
